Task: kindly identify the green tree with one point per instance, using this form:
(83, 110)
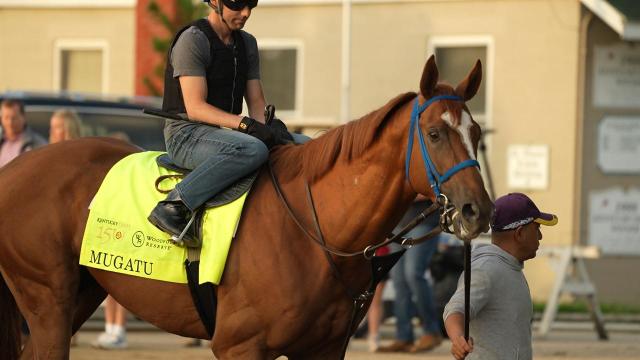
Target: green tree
(186, 12)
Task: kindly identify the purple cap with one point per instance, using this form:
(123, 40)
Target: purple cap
(516, 209)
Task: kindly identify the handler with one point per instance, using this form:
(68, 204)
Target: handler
(212, 65)
(501, 310)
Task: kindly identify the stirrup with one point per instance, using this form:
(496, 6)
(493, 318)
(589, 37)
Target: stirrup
(178, 240)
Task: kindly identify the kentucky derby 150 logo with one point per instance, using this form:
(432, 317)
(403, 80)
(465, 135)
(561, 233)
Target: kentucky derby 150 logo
(138, 239)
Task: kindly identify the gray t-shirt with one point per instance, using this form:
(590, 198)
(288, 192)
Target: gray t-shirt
(501, 310)
(191, 54)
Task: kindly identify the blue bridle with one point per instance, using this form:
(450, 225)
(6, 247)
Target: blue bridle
(434, 177)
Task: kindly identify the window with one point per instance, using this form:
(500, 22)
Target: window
(280, 71)
(455, 57)
(81, 66)
(81, 71)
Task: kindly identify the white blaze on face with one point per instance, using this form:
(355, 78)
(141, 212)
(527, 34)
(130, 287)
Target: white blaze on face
(464, 129)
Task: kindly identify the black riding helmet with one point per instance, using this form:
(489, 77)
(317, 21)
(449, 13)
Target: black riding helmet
(237, 5)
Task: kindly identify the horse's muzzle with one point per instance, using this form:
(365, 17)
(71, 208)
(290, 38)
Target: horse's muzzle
(469, 222)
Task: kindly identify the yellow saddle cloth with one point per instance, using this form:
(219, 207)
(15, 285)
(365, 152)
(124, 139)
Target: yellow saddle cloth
(119, 238)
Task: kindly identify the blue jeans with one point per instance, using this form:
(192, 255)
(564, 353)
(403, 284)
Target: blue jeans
(217, 156)
(408, 276)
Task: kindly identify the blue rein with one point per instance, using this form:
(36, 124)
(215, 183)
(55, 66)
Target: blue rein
(435, 178)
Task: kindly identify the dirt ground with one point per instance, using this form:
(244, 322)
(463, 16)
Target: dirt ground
(572, 345)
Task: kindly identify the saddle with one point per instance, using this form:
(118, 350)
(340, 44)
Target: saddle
(204, 295)
(226, 196)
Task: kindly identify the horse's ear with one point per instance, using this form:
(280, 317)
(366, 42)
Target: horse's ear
(470, 85)
(429, 78)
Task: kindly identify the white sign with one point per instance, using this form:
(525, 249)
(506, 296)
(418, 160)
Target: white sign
(619, 145)
(614, 221)
(528, 167)
(616, 76)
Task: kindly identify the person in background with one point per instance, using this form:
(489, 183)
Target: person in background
(65, 124)
(17, 137)
(445, 269)
(409, 281)
(501, 310)
(115, 331)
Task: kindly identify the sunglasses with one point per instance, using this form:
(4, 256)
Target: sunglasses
(237, 5)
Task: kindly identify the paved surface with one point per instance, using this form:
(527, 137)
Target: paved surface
(560, 344)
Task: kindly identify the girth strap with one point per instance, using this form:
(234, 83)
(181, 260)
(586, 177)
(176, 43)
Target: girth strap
(203, 295)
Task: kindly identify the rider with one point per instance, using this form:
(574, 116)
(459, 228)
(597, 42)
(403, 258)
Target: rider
(211, 66)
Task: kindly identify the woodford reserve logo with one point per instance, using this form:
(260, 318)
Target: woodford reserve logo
(138, 239)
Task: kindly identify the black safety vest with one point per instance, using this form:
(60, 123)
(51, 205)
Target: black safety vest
(226, 73)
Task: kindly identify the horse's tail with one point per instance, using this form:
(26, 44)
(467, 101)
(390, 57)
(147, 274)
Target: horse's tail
(10, 324)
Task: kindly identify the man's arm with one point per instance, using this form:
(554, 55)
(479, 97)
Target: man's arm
(190, 58)
(194, 93)
(255, 99)
(454, 310)
(454, 324)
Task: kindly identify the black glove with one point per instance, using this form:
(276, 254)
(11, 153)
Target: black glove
(276, 124)
(281, 129)
(260, 131)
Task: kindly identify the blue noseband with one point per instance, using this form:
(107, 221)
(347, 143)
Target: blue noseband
(435, 178)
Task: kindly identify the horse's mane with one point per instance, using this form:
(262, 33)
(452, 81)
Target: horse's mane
(313, 159)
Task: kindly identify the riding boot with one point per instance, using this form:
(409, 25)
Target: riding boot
(172, 216)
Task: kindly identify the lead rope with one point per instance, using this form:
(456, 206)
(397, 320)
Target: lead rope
(446, 223)
(467, 287)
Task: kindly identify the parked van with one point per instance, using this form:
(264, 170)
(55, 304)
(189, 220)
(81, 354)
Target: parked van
(100, 116)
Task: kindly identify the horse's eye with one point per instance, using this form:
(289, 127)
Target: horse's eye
(434, 135)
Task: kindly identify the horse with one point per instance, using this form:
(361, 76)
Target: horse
(279, 296)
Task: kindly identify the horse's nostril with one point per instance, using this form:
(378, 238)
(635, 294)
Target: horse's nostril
(470, 212)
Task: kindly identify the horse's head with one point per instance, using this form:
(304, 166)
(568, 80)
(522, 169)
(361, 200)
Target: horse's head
(444, 142)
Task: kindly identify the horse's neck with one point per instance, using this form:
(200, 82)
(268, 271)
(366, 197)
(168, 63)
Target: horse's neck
(359, 203)
(358, 199)
(363, 207)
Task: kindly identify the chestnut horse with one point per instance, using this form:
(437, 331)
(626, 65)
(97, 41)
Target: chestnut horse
(278, 295)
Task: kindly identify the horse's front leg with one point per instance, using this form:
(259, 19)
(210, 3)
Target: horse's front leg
(50, 328)
(47, 305)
